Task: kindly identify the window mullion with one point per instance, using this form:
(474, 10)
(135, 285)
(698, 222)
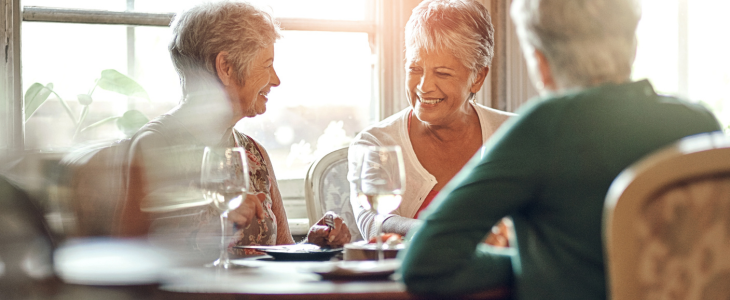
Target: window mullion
(63, 15)
(131, 55)
(47, 14)
(327, 25)
(11, 101)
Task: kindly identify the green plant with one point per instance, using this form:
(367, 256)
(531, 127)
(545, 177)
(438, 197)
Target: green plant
(110, 80)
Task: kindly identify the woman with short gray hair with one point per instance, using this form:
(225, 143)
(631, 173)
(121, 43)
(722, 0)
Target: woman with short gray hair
(449, 47)
(584, 50)
(202, 32)
(223, 52)
(550, 167)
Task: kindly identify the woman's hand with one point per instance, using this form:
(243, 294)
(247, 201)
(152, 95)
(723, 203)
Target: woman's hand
(330, 231)
(251, 206)
(500, 233)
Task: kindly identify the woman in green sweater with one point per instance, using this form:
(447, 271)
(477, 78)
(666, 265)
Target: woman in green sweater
(550, 167)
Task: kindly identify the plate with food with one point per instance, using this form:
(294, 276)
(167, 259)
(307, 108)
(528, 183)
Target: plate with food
(368, 250)
(297, 252)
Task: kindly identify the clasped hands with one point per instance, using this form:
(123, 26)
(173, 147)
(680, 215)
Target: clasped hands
(321, 234)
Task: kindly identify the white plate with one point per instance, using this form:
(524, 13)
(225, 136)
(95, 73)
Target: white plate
(349, 270)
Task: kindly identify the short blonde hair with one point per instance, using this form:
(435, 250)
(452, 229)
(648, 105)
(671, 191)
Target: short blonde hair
(205, 30)
(462, 27)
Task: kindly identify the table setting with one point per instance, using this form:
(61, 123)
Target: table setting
(357, 270)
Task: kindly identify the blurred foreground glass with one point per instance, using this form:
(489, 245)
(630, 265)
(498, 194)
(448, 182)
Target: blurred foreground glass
(380, 183)
(224, 181)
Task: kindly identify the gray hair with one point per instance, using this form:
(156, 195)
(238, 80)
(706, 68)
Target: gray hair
(462, 27)
(203, 31)
(586, 42)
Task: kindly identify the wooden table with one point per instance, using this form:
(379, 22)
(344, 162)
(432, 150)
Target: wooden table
(263, 279)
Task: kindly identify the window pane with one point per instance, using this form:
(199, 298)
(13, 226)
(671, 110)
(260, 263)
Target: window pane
(324, 98)
(709, 63)
(658, 56)
(73, 63)
(657, 34)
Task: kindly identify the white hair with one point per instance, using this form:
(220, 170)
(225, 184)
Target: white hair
(586, 42)
(203, 31)
(461, 27)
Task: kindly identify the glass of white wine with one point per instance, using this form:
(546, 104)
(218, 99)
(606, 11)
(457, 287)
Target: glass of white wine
(224, 181)
(380, 183)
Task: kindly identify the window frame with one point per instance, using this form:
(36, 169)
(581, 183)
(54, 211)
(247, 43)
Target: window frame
(11, 104)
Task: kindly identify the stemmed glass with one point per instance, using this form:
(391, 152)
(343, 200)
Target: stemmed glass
(380, 183)
(224, 182)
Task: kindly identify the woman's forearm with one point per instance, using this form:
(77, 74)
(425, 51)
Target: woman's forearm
(399, 225)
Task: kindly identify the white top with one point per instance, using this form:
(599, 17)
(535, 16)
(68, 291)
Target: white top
(419, 182)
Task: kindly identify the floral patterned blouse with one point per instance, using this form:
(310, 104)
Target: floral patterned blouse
(260, 232)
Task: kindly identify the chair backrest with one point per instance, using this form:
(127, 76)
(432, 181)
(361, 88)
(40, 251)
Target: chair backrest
(326, 188)
(95, 182)
(667, 223)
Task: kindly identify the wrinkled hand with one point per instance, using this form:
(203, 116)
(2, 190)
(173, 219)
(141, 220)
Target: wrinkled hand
(251, 207)
(322, 235)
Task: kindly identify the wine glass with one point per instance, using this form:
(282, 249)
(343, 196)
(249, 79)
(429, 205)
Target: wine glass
(380, 183)
(224, 182)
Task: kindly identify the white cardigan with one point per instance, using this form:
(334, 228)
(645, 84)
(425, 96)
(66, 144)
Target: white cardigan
(419, 182)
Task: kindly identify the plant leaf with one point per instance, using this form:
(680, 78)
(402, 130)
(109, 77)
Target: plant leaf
(98, 123)
(84, 99)
(35, 96)
(131, 121)
(112, 80)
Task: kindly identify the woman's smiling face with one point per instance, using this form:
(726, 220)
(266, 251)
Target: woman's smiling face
(439, 87)
(249, 99)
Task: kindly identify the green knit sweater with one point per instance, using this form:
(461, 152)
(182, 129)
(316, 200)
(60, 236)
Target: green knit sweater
(549, 169)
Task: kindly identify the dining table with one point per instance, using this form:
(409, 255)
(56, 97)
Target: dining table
(115, 269)
(266, 278)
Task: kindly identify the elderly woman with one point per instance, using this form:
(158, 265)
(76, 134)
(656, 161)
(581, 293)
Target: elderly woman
(449, 46)
(224, 53)
(550, 167)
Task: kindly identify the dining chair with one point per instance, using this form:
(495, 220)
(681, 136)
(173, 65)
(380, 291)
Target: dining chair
(326, 188)
(93, 181)
(667, 223)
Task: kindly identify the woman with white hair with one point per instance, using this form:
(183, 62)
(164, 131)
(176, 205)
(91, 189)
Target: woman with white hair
(449, 46)
(550, 167)
(223, 52)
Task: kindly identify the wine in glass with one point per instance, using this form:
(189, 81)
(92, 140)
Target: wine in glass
(224, 181)
(380, 183)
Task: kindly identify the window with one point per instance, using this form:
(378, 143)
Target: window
(328, 61)
(680, 54)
